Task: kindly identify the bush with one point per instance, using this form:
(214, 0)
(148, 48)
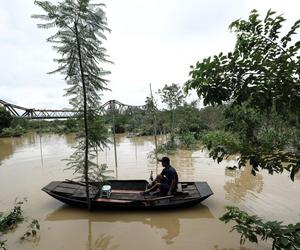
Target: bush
(187, 140)
(17, 131)
(5, 119)
(221, 144)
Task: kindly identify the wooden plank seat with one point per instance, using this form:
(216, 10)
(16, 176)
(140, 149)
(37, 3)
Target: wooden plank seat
(124, 191)
(111, 200)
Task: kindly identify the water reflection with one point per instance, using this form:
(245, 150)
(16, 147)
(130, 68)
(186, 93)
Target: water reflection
(243, 183)
(168, 220)
(103, 242)
(70, 139)
(297, 176)
(10, 145)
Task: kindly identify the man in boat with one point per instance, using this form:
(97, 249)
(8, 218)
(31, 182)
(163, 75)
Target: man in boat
(166, 181)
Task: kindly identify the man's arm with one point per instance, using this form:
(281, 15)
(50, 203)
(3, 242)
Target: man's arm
(173, 183)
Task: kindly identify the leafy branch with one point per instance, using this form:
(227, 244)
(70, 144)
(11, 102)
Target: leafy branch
(12, 219)
(252, 227)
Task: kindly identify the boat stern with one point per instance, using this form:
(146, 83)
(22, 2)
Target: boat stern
(203, 189)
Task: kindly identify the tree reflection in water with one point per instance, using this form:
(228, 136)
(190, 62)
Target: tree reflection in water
(9, 146)
(242, 184)
(103, 242)
(168, 220)
(297, 176)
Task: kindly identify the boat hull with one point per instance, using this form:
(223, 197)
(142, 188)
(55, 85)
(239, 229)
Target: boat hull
(127, 195)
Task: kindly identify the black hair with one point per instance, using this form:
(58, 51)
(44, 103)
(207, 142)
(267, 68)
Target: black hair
(165, 160)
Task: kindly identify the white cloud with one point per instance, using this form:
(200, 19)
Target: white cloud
(151, 42)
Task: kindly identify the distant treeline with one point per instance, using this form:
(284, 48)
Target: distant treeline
(188, 119)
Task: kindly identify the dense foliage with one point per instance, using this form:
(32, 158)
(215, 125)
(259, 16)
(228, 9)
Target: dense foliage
(260, 83)
(5, 119)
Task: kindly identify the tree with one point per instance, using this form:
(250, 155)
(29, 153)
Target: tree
(5, 119)
(80, 31)
(173, 97)
(190, 120)
(259, 79)
(260, 83)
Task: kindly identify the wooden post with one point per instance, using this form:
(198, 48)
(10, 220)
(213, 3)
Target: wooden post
(115, 146)
(41, 147)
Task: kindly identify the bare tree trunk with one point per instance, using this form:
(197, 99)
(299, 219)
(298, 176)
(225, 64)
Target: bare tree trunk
(86, 131)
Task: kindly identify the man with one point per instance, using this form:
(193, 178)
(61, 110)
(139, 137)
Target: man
(167, 181)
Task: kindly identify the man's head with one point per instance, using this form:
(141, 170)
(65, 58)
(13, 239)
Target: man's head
(165, 161)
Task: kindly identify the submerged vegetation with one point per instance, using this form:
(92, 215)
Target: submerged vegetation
(10, 221)
(32, 230)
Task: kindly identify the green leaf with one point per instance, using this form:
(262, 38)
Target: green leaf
(284, 241)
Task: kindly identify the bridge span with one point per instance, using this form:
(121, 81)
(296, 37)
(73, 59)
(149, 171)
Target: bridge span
(33, 113)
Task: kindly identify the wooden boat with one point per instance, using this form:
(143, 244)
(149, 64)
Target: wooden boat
(127, 194)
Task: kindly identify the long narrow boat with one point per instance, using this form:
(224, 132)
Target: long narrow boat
(127, 194)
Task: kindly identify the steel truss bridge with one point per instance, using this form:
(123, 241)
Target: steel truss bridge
(109, 107)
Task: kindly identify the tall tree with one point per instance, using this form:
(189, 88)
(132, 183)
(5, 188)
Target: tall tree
(260, 83)
(80, 27)
(260, 80)
(173, 97)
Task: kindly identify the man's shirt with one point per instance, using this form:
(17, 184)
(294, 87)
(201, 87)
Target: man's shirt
(169, 173)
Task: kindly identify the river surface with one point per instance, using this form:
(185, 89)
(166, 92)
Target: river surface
(32, 161)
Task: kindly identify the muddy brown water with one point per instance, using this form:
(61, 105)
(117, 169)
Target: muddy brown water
(30, 162)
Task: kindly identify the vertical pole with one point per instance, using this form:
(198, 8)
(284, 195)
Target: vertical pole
(97, 155)
(115, 146)
(155, 129)
(155, 123)
(41, 148)
(90, 235)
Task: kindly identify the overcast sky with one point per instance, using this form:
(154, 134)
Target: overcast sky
(152, 41)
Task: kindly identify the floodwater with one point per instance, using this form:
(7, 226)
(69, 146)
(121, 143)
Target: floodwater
(31, 162)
